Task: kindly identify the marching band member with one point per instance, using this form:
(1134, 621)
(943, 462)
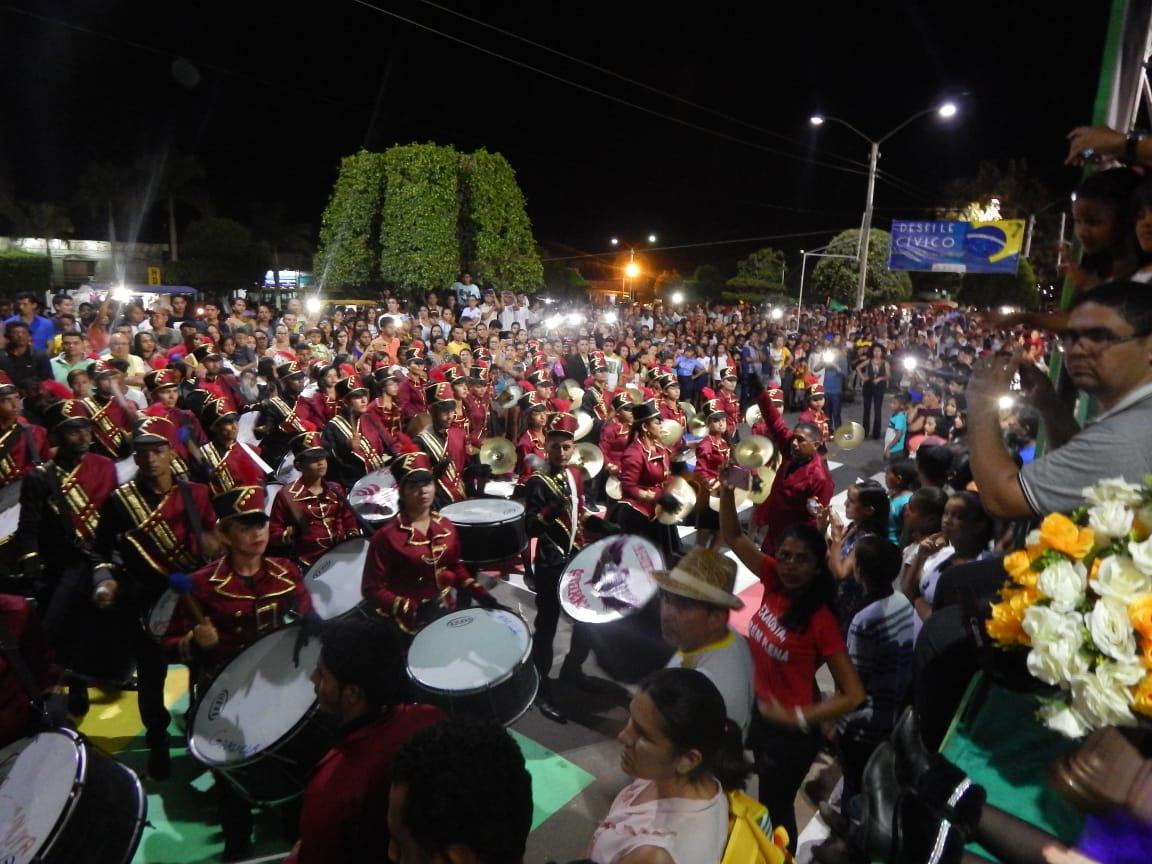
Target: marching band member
(545, 387)
(225, 462)
(712, 454)
(555, 515)
(152, 526)
(644, 468)
(477, 405)
(386, 406)
(614, 435)
(729, 401)
(23, 445)
(596, 396)
(458, 380)
(278, 422)
(211, 377)
(814, 413)
(413, 568)
(355, 438)
(112, 414)
(411, 393)
(163, 386)
(319, 408)
(238, 599)
(60, 506)
(445, 445)
(776, 397)
(311, 516)
(530, 447)
(670, 400)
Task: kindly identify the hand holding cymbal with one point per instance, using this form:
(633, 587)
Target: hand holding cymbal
(756, 451)
(849, 436)
(589, 457)
(499, 454)
(584, 424)
(685, 496)
(670, 433)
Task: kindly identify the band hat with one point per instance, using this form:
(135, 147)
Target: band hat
(411, 467)
(439, 393)
(541, 378)
(385, 374)
(816, 392)
(216, 411)
(729, 375)
(101, 369)
(622, 401)
(66, 413)
(7, 388)
(241, 502)
(350, 386)
(153, 430)
(712, 410)
(703, 575)
(291, 369)
(206, 351)
(776, 395)
(309, 446)
(562, 424)
(646, 410)
(161, 379)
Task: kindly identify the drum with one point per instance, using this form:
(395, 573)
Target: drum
(270, 493)
(126, 469)
(62, 801)
(286, 471)
(375, 498)
(500, 488)
(9, 509)
(246, 428)
(610, 579)
(160, 615)
(476, 663)
(490, 529)
(258, 724)
(334, 580)
(612, 487)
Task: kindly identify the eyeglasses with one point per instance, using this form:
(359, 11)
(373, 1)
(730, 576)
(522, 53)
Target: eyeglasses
(1096, 338)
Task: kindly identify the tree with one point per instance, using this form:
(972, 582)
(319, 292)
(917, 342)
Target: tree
(994, 289)
(761, 272)
(102, 189)
(278, 233)
(23, 271)
(349, 252)
(838, 278)
(496, 236)
(178, 181)
(706, 283)
(40, 219)
(219, 255)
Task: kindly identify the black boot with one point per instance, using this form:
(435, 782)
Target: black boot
(939, 783)
(159, 757)
(545, 705)
(874, 832)
(924, 835)
(78, 703)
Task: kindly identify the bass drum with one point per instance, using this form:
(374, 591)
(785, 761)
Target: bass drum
(63, 801)
(375, 498)
(258, 723)
(490, 530)
(334, 580)
(476, 663)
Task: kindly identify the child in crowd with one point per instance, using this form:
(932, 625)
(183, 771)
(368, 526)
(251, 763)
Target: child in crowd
(927, 436)
(895, 438)
(902, 480)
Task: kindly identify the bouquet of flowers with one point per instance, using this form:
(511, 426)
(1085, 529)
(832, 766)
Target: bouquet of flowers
(1079, 599)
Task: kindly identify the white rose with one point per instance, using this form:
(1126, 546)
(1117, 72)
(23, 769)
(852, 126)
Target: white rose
(1114, 490)
(1111, 630)
(1063, 719)
(1142, 556)
(1110, 520)
(1119, 579)
(1101, 699)
(1055, 656)
(1044, 625)
(1063, 583)
(1124, 675)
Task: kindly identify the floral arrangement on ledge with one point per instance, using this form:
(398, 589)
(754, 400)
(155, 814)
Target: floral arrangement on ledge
(1079, 599)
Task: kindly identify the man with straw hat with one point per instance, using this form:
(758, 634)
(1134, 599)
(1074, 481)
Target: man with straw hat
(695, 599)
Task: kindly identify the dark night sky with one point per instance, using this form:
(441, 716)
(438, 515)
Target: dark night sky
(284, 90)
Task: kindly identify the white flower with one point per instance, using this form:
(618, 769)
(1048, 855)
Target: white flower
(1033, 538)
(1142, 556)
(1063, 583)
(1112, 519)
(1056, 639)
(1102, 698)
(1044, 625)
(1062, 718)
(1125, 674)
(1113, 490)
(1119, 579)
(1111, 630)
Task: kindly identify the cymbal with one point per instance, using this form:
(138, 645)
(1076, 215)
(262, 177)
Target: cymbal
(509, 397)
(697, 427)
(689, 410)
(849, 436)
(584, 422)
(756, 451)
(589, 457)
(670, 433)
(612, 487)
(762, 479)
(637, 393)
(571, 390)
(753, 415)
(741, 496)
(499, 454)
(683, 492)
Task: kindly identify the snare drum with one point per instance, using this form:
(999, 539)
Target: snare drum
(62, 801)
(610, 579)
(476, 663)
(500, 488)
(246, 429)
(490, 529)
(258, 723)
(126, 469)
(334, 580)
(375, 498)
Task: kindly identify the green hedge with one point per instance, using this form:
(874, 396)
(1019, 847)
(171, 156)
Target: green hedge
(24, 271)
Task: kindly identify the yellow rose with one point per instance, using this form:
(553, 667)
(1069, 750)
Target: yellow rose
(1018, 565)
(1146, 653)
(1005, 625)
(1020, 600)
(1140, 614)
(1059, 532)
(1142, 696)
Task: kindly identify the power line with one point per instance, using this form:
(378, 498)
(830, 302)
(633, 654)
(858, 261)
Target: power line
(616, 252)
(641, 84)
(610, 97)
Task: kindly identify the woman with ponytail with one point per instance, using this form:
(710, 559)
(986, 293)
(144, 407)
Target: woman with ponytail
(684, 754)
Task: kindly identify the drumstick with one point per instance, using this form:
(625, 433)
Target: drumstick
(182, 585)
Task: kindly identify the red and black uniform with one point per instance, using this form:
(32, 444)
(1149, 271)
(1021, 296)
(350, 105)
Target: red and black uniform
(23, 446)
(670, 410)
(644, 466)
(787, 503)
(391, 416)
(359, 445)
(225, 387)
(412, 398)
(185, 428)
(613, 440)
(282, 423)
(343, 817)
(17, 716)
(311, 523)
(730, 404)
(228, 467)
(817, 418)
(531, 443)
(406, 567)
(112, 421)
(476, 410)
(318, 409)
(712, 453)
(449, 452)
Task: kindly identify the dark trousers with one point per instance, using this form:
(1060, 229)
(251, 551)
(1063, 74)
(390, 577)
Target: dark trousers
(854, 752)
(873, 397)
(547, 620)
(666, 537)
(832, 402)
(151, 670)
(783, 756)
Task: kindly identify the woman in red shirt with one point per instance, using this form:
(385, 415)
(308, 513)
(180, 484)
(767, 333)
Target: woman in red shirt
(793, 634)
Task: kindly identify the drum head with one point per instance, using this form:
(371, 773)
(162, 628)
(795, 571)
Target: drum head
(334, 580)
(375, 497)
(160, 615)
(126, 469)
(10, 508)
(257, 699)
(610, 579)
(37, 779)
(500, 488)
(246, 429)
(286, 471)
(482, 511)
(468, 650)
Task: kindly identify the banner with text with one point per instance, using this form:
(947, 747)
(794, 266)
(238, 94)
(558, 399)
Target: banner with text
(956, 247)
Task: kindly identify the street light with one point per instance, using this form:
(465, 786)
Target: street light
(945, 110)
(631, 269)
(677, 298)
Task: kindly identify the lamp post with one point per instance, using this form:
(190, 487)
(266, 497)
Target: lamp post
(946, 110)
(631, 269)
(804, 256)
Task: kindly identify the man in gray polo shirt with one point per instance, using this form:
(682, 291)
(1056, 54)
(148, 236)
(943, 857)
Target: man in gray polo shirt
(695, 599)
(1108, 355)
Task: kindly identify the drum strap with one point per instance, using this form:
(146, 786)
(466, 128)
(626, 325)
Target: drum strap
(193, 513)
(30, 443)
(27, 680)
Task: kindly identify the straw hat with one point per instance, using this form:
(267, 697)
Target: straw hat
(703, 575)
